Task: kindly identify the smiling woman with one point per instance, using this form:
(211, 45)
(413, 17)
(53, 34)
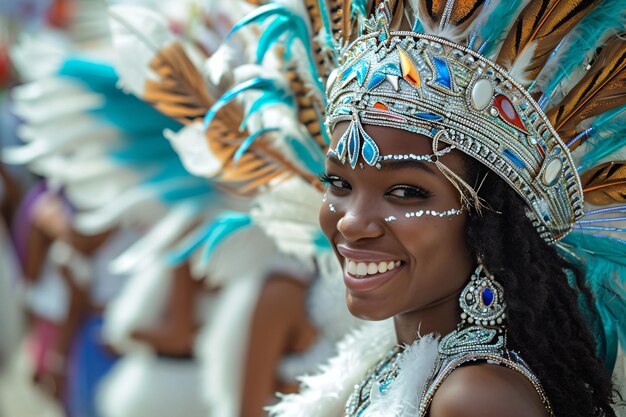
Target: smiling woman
(447, 189)
(454, 200)
(408, 244)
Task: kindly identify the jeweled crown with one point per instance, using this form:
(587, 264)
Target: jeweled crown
(431, 86)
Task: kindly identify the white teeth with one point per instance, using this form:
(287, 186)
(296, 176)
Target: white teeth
(351, 268)
(370, 268)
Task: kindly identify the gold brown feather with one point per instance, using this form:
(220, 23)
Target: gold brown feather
(603, 88)
(182, 94)
(322, 58)
(462, 14)
(308, 107)
(605, 184)
(544, 22)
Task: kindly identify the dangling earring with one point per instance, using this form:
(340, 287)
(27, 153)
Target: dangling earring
(482, 300)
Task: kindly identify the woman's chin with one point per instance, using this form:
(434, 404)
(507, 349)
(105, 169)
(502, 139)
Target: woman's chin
(368, 309)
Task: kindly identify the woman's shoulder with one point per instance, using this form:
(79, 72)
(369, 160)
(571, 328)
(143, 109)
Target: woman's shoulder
(486, 390)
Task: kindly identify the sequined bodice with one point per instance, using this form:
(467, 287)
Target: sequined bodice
(470, 344)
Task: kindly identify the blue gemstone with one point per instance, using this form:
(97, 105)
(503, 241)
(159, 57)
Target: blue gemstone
(513, 157)
(390, 69)
(443, 73)
(376, 79)
(428, 116)
(361, 70)
(384, 387)
(487, 296)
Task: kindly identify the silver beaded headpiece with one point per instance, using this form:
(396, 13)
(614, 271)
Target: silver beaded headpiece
(434, 87)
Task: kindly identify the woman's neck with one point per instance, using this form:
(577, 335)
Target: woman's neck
(441, 316)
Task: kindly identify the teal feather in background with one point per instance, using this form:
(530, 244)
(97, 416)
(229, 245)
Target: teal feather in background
(576, 50)
(285, 23)
(263, 84)
(208, 237)
(142, 146)
(604, 263)
(607, 135)
(249, 140)
(493, 27)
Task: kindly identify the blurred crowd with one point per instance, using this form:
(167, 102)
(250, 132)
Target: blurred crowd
(123, 292)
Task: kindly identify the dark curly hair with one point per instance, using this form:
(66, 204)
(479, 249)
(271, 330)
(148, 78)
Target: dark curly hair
(545, 323)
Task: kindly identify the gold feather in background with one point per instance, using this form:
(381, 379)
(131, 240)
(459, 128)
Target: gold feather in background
(180, 93)
(545, 22)
(603, 88)
(308, 108)
(463, 11)
(605, 184)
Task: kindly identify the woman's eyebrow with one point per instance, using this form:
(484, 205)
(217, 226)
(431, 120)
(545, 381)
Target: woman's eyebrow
(394, 164)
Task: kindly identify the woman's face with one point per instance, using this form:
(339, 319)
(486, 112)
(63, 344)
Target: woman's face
(394, 264)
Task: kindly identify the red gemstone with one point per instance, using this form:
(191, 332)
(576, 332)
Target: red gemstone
(507, 112)
(541, 151)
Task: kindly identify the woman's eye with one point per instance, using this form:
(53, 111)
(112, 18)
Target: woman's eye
(335, 182)
(408, 191)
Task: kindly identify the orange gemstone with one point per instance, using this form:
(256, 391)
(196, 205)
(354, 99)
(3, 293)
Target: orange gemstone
(379, 105)
(409, 72)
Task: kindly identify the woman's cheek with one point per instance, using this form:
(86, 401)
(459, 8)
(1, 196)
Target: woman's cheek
(328, 216)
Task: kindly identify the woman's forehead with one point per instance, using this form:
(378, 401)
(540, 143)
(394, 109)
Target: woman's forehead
(397, 142)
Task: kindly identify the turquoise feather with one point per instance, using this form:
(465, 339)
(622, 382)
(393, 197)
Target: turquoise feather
(249, 140)
(604, 260)
(224, 226)
(607, 136)
(142, 147)
(493, 28)
(285, 22)
(606, 19)
(274, 95)
(210, 235)
(328, 39)
(308, 153)
(254, 84)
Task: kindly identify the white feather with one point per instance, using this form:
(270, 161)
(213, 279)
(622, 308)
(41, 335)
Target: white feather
(157, 239)
(136, 205)
(288, 212)
(192, 148)
(47, 48)
(402, 399)
(138, 33)
(326, 393)
(222, 351)
(219, 66)
(139, 305)
(233, 257)
(518, 70)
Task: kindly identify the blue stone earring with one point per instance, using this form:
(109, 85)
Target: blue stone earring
(482, 300)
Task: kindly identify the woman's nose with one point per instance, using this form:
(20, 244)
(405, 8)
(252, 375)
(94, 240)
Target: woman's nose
(360, 221)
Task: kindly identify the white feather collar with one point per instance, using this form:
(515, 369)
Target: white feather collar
(326, 393)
